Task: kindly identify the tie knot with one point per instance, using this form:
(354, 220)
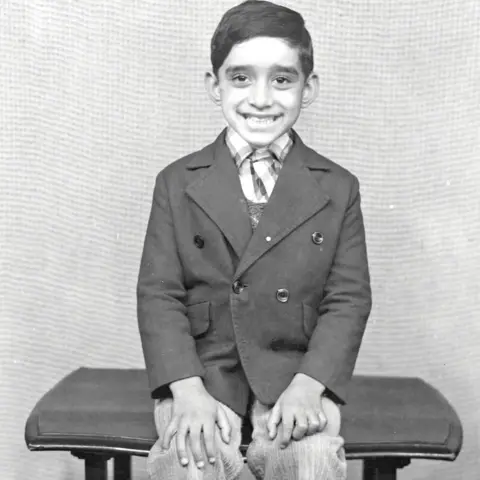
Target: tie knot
(262, 154)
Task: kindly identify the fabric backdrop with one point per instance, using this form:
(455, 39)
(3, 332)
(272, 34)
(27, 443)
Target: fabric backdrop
(97, 96)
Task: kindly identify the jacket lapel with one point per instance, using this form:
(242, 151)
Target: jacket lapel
(217, 190)
(297, 196)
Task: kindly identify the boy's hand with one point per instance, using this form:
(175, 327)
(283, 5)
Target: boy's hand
(300, 410)
(195, 412)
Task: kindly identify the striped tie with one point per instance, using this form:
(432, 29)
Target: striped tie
(264, 169)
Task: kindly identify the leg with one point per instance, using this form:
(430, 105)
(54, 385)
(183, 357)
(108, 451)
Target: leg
(95, 467)
(122, 469)
(316, 457)
(383, 468)
(164, 465)
(95, 464)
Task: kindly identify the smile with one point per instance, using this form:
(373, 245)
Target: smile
(255, 120)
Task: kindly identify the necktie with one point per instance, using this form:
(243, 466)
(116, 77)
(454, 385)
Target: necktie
(264, 170)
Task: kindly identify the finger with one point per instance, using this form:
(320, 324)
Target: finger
(170, 431)
(314, 423)
(195, 436)
(301, 426)
(287, 425)
(181, 441)
(209, 441)
(223, 424)
(273, 421)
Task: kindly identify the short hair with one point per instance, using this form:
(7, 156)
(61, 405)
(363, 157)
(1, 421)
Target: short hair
(260, 18)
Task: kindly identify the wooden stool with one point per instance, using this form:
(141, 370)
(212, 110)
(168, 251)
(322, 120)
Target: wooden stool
(98, 414)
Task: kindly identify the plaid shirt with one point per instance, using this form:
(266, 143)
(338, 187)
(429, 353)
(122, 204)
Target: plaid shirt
(272, 157)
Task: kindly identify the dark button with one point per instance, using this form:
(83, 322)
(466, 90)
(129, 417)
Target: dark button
(317, 238)
(198, 241)
(238, 287)
(282, 295)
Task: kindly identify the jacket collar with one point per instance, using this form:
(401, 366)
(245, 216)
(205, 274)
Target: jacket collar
(206, 157)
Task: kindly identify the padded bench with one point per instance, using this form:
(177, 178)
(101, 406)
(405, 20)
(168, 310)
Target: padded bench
(99, 414)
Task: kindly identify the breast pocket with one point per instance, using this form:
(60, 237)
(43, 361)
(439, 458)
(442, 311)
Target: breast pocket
(199, 317)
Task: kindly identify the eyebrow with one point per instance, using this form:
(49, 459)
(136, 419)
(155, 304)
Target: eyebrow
(275, 67)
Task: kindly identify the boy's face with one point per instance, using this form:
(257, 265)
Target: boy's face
(261, 89)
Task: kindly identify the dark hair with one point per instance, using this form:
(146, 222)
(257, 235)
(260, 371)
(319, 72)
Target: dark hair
(260, 18)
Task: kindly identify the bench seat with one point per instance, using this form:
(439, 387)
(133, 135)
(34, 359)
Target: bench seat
(97, 414)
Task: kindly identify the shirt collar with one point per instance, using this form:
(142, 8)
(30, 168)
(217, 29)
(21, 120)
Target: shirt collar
(241, 150)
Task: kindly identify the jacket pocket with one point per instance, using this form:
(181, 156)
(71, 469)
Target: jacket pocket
(199, 316)
(310, 319)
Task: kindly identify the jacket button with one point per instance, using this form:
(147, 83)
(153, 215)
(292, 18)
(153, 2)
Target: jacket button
(282, 295)
(198, 241)
(317, 238)
(237, 287)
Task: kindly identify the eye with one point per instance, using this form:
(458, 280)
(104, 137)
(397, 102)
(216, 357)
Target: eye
(240, 79)
(282, 81)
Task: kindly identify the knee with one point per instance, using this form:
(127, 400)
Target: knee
(318, 444)
(164, 464)
(309, 455)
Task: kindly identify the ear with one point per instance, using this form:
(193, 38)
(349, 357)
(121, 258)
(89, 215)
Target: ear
(310, 90)
(212, 86)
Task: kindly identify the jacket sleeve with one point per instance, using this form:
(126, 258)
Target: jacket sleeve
(344, 310)
(168, 346)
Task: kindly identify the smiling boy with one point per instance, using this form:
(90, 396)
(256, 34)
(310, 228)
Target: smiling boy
(254, 290)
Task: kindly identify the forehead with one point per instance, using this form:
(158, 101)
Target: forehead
(263, 53)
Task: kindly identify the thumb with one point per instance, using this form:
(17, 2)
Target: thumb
(332, 415)
(170, 431)
(273, 421)
(223, 424)
(323, 419)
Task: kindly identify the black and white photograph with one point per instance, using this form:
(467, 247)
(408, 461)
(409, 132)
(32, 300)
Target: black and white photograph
(239, 240)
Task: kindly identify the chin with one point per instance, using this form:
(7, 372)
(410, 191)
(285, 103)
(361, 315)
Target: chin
(264, 140)
(260, 139)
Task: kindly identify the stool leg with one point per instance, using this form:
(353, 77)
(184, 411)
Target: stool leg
(122, 468)
(95, 467)
(383, 468)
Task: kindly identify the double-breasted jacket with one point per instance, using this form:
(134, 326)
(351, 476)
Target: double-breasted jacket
(248, 310)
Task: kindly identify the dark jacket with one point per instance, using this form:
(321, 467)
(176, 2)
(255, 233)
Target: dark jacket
(249, 311)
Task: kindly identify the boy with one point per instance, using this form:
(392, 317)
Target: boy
(252, 300)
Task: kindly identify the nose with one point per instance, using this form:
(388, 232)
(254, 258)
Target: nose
(260, 95)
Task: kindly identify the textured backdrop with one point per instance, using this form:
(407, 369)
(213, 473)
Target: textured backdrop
(97, 96)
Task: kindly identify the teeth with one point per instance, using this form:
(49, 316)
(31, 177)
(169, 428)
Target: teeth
(260, 121)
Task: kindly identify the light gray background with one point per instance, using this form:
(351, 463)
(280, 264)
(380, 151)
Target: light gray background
(97, 96)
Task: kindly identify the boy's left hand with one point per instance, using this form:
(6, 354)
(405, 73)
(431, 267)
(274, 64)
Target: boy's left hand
(299, 408)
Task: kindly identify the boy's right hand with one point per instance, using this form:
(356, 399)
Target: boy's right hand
(195, 412)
